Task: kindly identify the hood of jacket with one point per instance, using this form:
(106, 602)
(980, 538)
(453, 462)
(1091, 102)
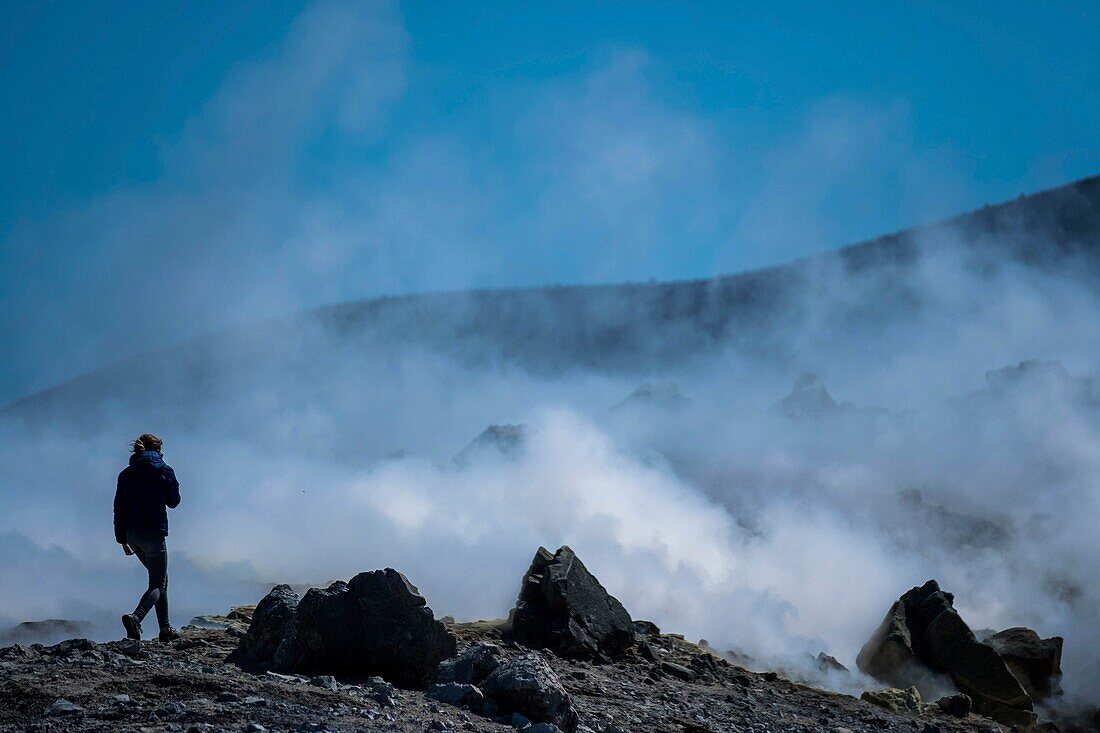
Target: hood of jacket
(147, 459)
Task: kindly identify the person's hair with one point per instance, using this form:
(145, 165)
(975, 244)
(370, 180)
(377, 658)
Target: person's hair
(147, 441)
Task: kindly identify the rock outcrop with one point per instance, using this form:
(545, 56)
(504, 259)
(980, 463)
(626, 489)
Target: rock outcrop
(528, 686)
(481, 680)
(271, 633)
(563, 607)
(922, 632)
(506, 440)
(376, 624)
(471, 666)
(1036, 662)
(46, 631)
(660, 395)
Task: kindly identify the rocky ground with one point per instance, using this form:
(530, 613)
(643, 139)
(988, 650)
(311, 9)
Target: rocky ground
(189, 685)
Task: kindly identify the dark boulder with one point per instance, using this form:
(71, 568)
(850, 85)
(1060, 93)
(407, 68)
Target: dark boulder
(888, 655)
(471, 666)
(957, 706)
(272, 624)
(563, 607)
(377, 624)
(528, 686)
(827, 663)
(922, 632)
(460, 695)
(1036, 662)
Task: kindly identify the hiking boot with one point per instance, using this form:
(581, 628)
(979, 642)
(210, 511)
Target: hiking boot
(169, 634)
(132, 626)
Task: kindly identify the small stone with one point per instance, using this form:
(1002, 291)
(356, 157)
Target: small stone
(325, 681)
(61, 706)
(459, 695)
(121, 699)
(543, 728)
(255, 728)
(678, 671)
(287, 678)
(517, 721)
(171, 708)
(227, 697)
(254, 700)
(957, 706)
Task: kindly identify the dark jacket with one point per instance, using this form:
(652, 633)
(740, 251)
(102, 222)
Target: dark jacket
(145, 488)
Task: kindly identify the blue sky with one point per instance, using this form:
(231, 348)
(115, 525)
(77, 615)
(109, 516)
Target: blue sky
(188, 165)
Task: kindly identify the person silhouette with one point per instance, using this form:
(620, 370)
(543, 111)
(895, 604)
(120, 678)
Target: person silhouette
(147, 488)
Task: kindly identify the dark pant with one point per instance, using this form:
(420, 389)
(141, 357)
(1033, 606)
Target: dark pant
(150, 548)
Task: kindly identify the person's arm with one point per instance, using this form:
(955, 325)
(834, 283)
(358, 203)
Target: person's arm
(171, 488)
(120, 512)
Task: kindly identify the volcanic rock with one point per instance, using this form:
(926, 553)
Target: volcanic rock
(563, 607)
(457, 694)
(922, 631)
(808, 398)
(957, 706)
(61, 707)
(500, 440)
(896, 700)
(1035, 662)
(377, 624)
(528, 686)
(271, 633)
(43, 632)
(471, 666)
(661, 395)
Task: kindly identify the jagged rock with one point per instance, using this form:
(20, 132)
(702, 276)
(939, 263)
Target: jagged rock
(241, 613)
(922, 632)
(896, 699)
(377, 624)
(458, 694)
(957, 706)
(563, 607)
(505, 440)
(1027, 373)
(43, 632)
(1035, 662)
(528, 686)
(271, 633)
(381, 692)
(646, 628)
(888, 655)
(828, 663)
(471, 666)
(954, 528)
(61, 707)
(808, 398)
(662, 395)
(678, 671)
(324, 681)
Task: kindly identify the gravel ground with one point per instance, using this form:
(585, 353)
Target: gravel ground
(188, 685)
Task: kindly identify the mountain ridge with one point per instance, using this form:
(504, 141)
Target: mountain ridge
(638, 327)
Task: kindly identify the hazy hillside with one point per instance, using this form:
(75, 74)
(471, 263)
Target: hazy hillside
(640, 327)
